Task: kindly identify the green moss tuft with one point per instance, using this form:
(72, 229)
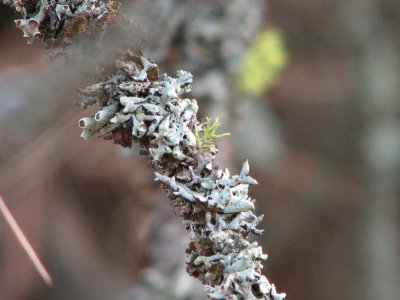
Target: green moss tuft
(206, 136)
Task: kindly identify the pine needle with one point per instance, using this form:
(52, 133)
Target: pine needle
(25, 243)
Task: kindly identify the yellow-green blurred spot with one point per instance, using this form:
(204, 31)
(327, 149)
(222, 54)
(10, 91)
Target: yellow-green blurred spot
(263, 62)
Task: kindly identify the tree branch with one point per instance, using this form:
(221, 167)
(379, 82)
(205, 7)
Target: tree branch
(138, 105)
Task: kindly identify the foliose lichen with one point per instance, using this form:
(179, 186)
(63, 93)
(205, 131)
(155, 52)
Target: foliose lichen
(139, 105)
(56, 22)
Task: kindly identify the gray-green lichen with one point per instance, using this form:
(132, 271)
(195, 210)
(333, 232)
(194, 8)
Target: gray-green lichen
(138, 105)
(56, 22)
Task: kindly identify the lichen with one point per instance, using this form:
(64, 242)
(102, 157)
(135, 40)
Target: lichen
(138, 105)
(56, 22)
(214, 206)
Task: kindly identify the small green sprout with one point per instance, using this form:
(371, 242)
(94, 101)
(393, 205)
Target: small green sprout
(205, 140)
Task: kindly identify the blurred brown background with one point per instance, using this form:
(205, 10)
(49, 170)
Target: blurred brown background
(325, 148)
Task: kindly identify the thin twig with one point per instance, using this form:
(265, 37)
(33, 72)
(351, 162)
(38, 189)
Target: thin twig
(25, 243)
